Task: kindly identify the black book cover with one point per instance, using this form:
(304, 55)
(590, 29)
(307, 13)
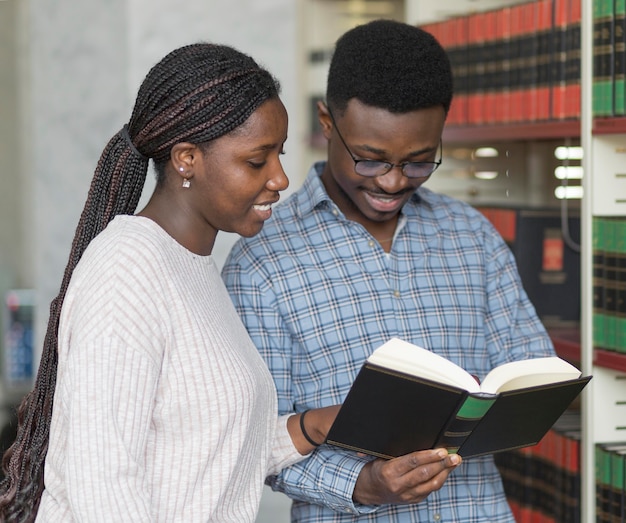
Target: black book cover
(389, 414)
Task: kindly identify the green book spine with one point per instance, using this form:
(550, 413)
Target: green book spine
(617, 486)
(619, 46)
(598, 282)
(603, 483)
(620, 294)
(602, 84)
(610, 283)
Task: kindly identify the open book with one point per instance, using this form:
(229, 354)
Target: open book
(406, 398)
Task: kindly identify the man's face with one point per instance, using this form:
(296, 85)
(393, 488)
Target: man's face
(371, 133)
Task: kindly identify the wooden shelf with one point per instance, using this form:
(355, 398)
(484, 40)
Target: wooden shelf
(609, 125)
(514, 131)
(567, 345)
(610, 359)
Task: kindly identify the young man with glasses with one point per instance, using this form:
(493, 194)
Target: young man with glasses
(362, 253)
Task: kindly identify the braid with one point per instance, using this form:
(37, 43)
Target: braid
(197, 93)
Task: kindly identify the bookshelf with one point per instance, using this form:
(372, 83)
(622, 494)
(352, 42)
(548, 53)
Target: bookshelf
(507, 132)
(604, 140)
(597, 119)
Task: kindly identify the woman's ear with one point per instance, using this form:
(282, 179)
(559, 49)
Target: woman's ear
(324, 118)
(185, 157)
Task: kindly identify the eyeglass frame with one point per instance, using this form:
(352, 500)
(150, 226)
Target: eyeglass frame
(389, 165)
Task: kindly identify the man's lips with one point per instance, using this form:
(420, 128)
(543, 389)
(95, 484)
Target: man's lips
(382, 202)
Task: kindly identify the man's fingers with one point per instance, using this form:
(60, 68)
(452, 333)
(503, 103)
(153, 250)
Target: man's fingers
(424, 458)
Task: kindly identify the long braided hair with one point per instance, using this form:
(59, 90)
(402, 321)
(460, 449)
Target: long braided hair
(194, 94)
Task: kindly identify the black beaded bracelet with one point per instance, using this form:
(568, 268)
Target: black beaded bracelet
(304, 433)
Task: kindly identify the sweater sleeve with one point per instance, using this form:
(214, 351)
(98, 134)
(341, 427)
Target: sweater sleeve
(284, 452)
(111, 343)
(110, 391)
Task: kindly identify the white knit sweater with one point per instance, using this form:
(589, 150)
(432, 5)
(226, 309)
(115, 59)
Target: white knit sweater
(163, 411)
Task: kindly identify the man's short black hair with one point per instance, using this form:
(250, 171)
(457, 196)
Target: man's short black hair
(389, 65)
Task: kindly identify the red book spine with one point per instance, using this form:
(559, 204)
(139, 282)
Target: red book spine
(531, 47)
(502, 100)
(444, 32)
(461, 29)
(561, 9)
(545, 66)
(572, 95)
(516, 61)
(477, 68)
(490, 61)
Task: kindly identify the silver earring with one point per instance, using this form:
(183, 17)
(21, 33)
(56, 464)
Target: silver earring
(186, 181)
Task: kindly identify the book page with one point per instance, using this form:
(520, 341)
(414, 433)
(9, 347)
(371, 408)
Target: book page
(402, 356)
(528, 373)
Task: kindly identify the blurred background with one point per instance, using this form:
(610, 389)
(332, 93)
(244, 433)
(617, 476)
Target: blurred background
(69, 72)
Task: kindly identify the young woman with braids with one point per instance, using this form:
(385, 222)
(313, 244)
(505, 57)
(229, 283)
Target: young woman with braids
(163, 409)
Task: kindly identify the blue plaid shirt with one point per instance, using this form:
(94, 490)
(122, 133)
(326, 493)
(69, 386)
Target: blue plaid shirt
(318, 294)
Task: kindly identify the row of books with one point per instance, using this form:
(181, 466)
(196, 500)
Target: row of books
(610, 471)
(609, 283)
(518, 63)
(543, 482)
(548, 265)
(609, 58)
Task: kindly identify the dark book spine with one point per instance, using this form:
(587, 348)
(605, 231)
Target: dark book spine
(468, 416)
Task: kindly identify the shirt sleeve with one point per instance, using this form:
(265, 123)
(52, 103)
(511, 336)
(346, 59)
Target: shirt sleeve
(328, 476)
(513, 329)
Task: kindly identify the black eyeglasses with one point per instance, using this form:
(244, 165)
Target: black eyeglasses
(373, 168)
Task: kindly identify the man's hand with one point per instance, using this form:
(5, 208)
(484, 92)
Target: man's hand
(403, 480)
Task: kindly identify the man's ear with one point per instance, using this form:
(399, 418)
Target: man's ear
(324, 118)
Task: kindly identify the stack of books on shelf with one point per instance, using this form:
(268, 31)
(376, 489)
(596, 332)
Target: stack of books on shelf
(609, 283)
(514, 64)
(543, 482)
(610, 465)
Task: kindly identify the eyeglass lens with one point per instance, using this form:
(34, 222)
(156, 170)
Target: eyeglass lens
(409, 169)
